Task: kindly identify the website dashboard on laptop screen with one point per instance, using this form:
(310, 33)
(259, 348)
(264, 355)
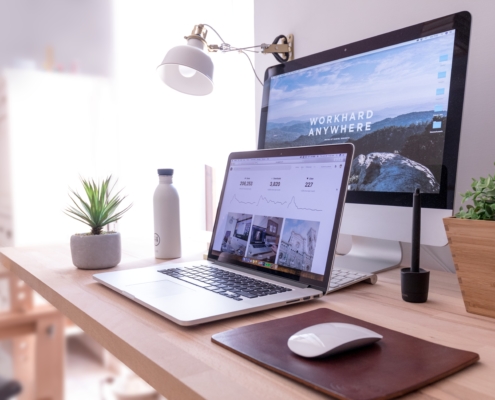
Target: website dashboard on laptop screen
(392, 102)
(278, 213)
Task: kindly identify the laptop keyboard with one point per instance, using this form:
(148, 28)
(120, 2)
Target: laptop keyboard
(225, 283)
(341, 277)
(236, 286)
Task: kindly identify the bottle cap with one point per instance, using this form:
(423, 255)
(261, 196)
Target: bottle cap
(165, 171)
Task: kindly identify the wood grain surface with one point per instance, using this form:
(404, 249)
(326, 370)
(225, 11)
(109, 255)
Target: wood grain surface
(183, 363)
(472, 244)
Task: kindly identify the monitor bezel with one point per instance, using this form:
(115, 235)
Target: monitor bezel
(461, 22)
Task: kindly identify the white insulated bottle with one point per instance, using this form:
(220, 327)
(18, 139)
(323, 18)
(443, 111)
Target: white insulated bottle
(167, 217)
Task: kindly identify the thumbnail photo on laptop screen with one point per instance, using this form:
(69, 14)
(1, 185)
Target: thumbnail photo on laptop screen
(390, 103)
(279, 213)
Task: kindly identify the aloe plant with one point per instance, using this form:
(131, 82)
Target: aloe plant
(99, 209)
(483, 198)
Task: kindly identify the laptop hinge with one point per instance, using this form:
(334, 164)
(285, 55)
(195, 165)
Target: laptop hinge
(263, 275)
(320, 288)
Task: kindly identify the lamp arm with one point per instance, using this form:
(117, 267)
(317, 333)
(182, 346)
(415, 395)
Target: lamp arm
(282, 52)
(252, 67)
(213, 29)
(286, 48)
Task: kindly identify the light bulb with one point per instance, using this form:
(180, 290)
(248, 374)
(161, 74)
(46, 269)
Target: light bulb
(186, 71)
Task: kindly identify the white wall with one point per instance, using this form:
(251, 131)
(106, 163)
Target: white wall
(140, 124)
(78, 34)
(58, 127)
(319, 25)
(161, 128)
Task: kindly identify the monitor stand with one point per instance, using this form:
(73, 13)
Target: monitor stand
(370, 255)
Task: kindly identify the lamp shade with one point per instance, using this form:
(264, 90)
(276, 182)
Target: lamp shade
(188, 69)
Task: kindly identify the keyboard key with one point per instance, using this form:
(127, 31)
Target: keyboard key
(346, 280)
(248, 295)
(193, 281)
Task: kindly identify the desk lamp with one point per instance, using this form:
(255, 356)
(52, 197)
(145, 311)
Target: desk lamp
(189, 69)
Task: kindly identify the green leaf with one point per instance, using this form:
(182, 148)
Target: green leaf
(490, 193)
(482, 196)
(99, 208)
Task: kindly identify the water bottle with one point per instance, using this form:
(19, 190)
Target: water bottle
(167, 217)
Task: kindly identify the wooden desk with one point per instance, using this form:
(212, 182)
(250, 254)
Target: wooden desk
(182, 363)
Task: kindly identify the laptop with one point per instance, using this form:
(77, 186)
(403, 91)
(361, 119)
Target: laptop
(287, 201)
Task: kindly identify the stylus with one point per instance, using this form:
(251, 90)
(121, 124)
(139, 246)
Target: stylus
(416, 231)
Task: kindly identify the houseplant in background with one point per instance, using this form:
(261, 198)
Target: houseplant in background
(97, 249)
(471, 235)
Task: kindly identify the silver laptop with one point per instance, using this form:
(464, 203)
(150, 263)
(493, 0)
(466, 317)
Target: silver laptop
(272, 244)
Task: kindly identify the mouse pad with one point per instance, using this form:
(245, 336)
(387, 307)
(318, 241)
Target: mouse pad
(396, 365)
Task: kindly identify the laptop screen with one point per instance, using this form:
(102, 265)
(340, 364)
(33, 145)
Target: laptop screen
(280, 211)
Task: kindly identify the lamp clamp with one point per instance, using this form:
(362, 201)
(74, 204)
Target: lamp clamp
(287, 47)
(275, 48)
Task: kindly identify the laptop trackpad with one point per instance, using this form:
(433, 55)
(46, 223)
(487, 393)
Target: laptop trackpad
(153, 290)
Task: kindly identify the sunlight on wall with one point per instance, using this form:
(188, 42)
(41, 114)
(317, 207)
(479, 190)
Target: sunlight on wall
(59, 125)
(161, 128)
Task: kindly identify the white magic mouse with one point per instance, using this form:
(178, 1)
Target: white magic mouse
(324, 340)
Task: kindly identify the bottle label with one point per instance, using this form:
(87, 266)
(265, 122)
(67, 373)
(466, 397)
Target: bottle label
(157, 239)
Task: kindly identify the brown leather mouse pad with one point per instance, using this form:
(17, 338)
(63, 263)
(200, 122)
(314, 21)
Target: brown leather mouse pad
(391, 367)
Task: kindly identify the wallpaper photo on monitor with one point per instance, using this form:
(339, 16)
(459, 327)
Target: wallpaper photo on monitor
(391, 102)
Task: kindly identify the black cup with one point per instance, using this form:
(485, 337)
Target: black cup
(414, 285)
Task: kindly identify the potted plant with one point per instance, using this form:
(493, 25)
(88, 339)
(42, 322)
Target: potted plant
(471, 235)
(96, 249)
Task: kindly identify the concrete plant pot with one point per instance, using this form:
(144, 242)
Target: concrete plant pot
(95, 251)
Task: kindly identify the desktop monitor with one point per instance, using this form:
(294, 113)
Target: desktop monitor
(242, 228)
(398, 98)
(257, 235)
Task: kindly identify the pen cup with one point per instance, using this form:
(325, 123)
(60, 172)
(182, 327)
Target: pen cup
(414, 285)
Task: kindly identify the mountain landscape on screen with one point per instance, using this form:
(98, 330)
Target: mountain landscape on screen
(416, 150)
(391, 104)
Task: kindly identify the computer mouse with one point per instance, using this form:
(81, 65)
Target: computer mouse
(331, 338)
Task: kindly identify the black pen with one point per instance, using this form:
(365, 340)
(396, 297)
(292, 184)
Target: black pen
(416, 231)
(415, 281)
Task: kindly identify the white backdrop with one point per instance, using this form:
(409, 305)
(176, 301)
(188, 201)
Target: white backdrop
(161, 128)
(133, 124)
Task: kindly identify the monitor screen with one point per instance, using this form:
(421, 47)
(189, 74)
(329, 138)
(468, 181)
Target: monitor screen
(397, 97)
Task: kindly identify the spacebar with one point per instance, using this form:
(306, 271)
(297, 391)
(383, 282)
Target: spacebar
(193, 281)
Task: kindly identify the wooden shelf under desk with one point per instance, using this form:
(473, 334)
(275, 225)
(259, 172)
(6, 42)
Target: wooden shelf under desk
(37, 335)
(13, 324)
(183, 363)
